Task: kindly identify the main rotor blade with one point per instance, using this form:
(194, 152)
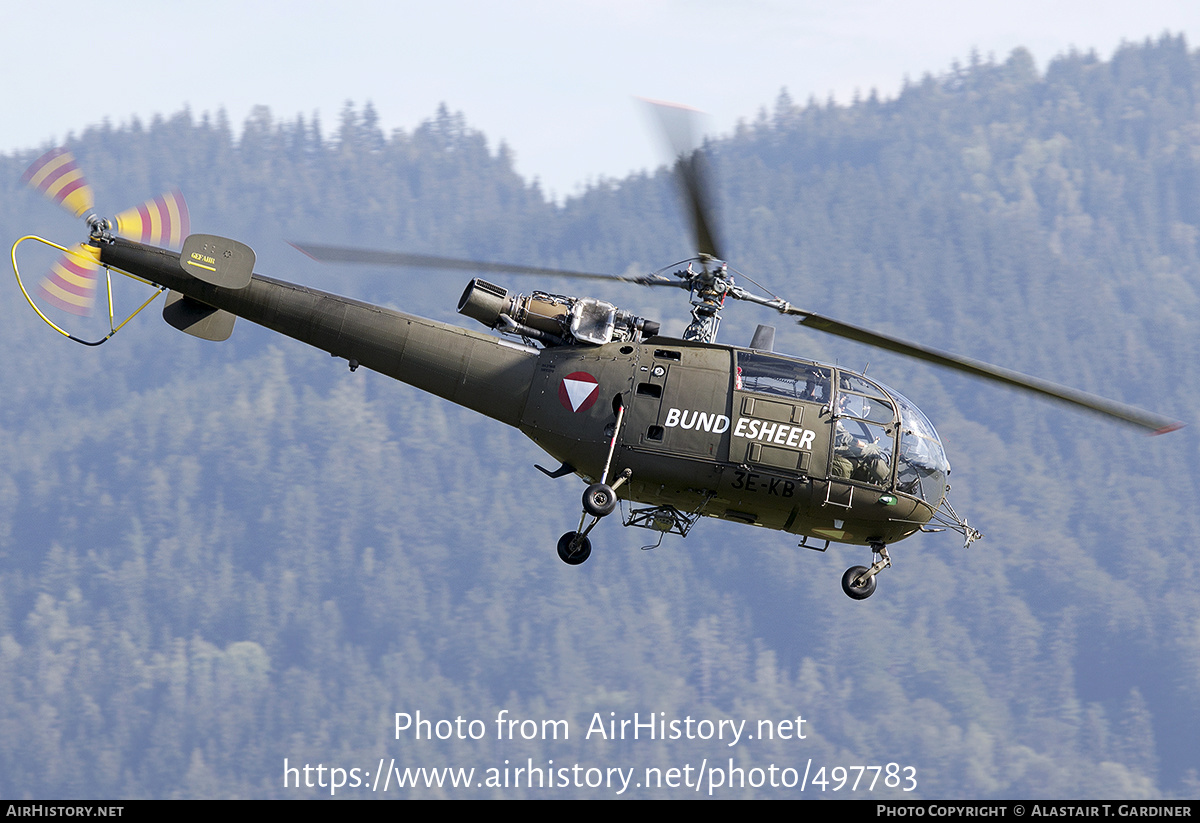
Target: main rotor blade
(1156, 424)
(680, 127)
(343, 254)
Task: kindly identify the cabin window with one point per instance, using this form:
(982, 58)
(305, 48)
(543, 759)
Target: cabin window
(864, 438)
(862, 451)
(783, 377)
(875, 409)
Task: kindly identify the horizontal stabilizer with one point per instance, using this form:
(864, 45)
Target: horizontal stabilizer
(217, 260)
(197, 319)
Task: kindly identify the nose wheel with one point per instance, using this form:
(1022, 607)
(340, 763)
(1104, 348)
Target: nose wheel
(856, 584)
(859, 581)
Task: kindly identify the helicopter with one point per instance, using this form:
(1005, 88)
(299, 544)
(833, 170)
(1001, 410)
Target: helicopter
(668, 430)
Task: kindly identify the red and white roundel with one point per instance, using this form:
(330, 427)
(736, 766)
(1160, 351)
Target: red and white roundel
(578, 391)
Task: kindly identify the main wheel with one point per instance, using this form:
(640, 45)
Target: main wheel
(581, 553)
(599, 500)
(859, 592)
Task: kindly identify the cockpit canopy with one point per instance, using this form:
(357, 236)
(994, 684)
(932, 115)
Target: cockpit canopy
(879, 433)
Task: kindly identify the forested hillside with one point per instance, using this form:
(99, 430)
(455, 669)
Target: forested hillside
(215, 556)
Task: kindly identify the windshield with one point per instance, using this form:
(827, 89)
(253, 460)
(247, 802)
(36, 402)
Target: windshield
(923, 465)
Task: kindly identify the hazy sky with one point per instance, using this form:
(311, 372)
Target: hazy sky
(555, 79)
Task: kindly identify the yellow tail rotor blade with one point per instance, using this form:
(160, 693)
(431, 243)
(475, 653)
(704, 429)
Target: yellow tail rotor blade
(57, 176)
(71, 283)
(161, 221)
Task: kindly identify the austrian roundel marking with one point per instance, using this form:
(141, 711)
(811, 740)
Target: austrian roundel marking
(578, 391)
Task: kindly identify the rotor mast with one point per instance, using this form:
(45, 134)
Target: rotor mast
(709, 287)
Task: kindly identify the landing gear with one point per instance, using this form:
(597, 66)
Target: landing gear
(859, 581)
(855, 585)
(574, 548)
(599, 500)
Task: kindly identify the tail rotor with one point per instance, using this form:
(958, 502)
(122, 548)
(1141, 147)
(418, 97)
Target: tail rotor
(58, 177)
(71, 283)
(160, 221)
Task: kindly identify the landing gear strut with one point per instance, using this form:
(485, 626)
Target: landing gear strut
(859, 581)
(599, 500)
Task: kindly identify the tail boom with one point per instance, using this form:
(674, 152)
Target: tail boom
(474, 370)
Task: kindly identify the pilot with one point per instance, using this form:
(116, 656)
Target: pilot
(857, 457)
(816, 385)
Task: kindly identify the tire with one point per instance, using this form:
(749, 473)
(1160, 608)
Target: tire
(581, 553)
(599, 500)
(860, 592)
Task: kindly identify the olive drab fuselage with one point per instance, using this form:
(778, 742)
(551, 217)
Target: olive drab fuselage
(707, 431)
